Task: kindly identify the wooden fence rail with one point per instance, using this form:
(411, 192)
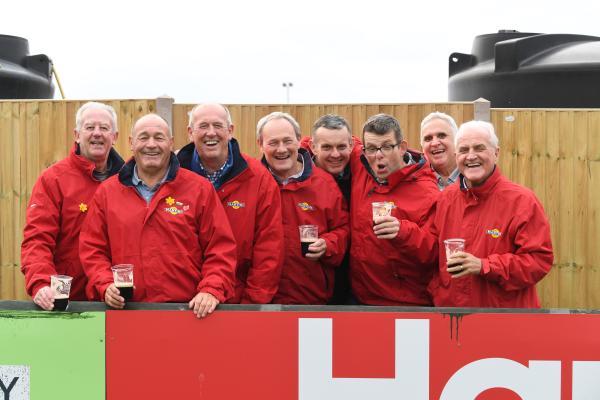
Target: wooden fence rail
(554, 152)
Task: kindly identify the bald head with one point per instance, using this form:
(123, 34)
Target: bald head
(154, 120)
(151, 143)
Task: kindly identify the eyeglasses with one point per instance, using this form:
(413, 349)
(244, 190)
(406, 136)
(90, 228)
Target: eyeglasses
(386, 149)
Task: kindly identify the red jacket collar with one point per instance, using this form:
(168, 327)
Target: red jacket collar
(486, 188)
(80, 162)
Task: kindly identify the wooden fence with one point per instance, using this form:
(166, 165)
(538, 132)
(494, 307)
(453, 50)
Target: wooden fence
(554, 152)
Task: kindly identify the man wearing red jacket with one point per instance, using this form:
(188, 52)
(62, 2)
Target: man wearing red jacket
(61, 200)
(389, 265)
(249, 196)
(507, 236)
(166, 221)
(309, 196)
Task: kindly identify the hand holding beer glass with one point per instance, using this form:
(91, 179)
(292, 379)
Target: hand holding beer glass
(311, 246)
(385, 226)
(61, 287)
(454, 246)
(123, 279)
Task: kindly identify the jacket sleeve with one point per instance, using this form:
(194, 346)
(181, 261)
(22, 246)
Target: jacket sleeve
(217, 241)
(267, 255)
(338, 232)
(418, 239)
(39, 236)
(532, 258)
(94, 248)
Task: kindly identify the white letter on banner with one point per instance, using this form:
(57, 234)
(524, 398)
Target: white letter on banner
(315, 357)
(586, 385)
(541, 381)
(14, 382)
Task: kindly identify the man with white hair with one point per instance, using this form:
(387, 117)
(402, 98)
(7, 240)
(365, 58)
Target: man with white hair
(60, 202)
(309, 196)
(508, 248)
(437, 141)
(166, 221)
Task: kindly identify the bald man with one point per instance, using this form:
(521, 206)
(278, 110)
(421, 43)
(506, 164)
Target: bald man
(249, 196)
(166, 221)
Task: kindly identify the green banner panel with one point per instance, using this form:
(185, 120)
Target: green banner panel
(62, 352)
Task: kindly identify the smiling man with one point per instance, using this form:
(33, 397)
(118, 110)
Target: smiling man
(508, 248)
(249, 196)
(60, 201)
(437, 141)
(389, 264)
(166, 221)
(309, 196)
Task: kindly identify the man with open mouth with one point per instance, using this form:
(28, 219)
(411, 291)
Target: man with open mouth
(389, 263)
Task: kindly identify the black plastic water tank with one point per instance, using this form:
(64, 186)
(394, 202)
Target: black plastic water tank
(23, 76)
(516, 69)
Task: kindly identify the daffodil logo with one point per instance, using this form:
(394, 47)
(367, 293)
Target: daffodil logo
(495, 233)
(304, 206)
(236, 205)
(175, 207)
(83, 207)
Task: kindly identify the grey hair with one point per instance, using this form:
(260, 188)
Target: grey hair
(191, 114)
(483, 125)
(441, 116)
(380, 124)
(273, 116)
(154, 115)
(331, 122)
(94, 105)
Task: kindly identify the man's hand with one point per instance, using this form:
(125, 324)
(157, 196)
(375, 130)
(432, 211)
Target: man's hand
(203, 304)
(316, 249)
(386, 227)
(45, 298)
(462, 264)
(112, 298)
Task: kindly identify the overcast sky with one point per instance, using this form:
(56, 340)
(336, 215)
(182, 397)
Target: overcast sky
(339, 51)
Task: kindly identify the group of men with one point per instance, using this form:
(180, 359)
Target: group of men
(210, 224)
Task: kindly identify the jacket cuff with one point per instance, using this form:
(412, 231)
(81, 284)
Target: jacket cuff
(37, 286)
(217, 293)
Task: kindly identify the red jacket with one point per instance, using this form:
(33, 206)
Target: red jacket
(503, 224)
(60, 201)
(316, 200)
(397, 271)
(252, 203)
(180, 243)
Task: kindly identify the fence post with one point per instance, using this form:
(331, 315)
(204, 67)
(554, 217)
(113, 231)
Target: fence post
(482, 110)
(164, 108)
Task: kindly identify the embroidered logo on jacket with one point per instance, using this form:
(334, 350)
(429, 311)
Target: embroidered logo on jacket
(304, 206)
(495, 233)
(236, 204)
(176, 207)
(83, 207)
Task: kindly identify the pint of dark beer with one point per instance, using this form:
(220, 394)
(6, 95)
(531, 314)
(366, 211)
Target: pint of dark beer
(61, 287)
(308, 235)
(123, 279)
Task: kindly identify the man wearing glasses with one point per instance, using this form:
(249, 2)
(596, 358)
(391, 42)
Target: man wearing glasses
(249, 196)
(390, 258)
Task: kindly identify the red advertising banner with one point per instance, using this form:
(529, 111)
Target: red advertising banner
(352, 355)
